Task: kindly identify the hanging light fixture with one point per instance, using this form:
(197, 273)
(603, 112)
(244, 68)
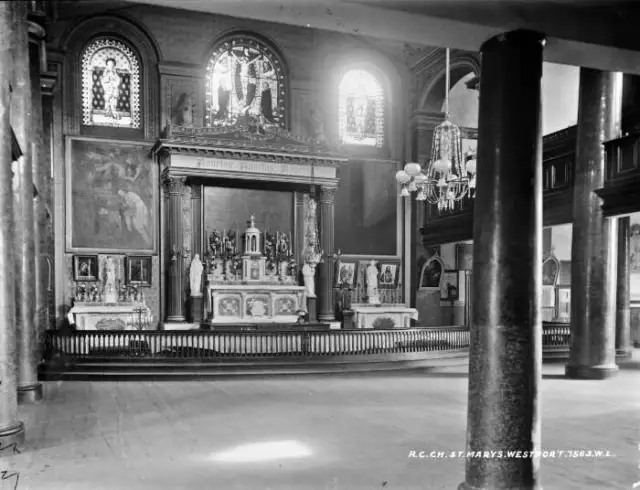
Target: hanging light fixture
(450, 175)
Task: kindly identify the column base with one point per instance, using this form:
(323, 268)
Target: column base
(604, 371)
(623, 354)
(176, 319)
(466, 486)
(30, 394)
(13, 437)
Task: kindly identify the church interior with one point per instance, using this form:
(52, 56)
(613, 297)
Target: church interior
(234, 232)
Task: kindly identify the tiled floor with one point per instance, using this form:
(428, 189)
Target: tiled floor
(346, 432)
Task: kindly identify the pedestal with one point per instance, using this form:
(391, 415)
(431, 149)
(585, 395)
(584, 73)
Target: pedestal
(594, 237)
(196, 309)
(348, 319)
(312, 308)
(505, 357)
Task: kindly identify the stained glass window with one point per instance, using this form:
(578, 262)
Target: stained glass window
(110, 85)
(245, 85)
(361, 109)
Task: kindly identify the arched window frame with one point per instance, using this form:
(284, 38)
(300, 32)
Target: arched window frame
(266, 48)
(92, 50)
(142, 44)
(380, 109)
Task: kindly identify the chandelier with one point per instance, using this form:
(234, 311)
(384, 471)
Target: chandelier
(450, 175)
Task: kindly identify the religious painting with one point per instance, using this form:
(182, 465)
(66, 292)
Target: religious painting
(449, 286)
(110, 85)
(138, 271)
(245, 85)
(550, 269)
(389, 275)
(85, 268)
(180, 102)
(369, 208)
(361, 109)
(346, 274)
(431, 274)
(111, 200)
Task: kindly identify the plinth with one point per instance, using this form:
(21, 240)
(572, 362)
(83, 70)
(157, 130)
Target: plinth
(196, 309)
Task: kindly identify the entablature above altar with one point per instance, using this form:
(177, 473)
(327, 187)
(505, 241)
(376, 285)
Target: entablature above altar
(240, 152)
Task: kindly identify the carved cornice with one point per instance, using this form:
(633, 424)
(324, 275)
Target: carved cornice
(237, 142)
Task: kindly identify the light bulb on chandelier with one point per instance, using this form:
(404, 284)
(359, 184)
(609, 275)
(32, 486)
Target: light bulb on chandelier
(449, 176)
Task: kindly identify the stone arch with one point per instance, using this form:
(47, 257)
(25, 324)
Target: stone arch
(427, 280)
(136, 38)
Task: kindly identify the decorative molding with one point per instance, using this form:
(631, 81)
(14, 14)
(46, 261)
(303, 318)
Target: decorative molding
(181, 69)
(173, 185)
(327, 194)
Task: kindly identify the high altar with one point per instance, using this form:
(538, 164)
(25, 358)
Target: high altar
(257, 277)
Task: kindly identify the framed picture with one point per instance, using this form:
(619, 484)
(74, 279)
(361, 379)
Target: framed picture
(388, 278)
(431, 273)
(85, 268)
(139, 270)
(346, 273)
(449, 286)
(111, 194)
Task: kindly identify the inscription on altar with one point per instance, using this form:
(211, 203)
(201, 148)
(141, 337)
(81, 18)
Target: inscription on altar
(186, 161)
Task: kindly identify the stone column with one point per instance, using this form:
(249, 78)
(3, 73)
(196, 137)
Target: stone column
(11, 429)
(623, 312)
(592, 351)
(505, 355)
(327, 198)
(298, 233)
(29, 389)
(196, 219)
(175, 269)
(39, 161)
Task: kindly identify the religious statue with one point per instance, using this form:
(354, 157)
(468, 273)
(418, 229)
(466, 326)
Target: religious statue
(372, 284)
(110, 282)
(308, 274)
(195, 276)
(215, 243)
(269, 246)
(183, 112)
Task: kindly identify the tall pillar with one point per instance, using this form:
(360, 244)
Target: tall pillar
(505, 356)
(175, 289)
(11, 429)
(38, 158)
(196, 219)
(592, 351)
(623, 313)
(327, 200)
(29, 389)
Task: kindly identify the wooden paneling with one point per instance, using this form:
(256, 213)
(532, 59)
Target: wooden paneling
(620, 192)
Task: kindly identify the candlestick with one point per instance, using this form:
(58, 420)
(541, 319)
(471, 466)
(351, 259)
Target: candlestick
(290, 245)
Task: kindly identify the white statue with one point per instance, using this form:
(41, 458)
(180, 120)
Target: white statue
(308, 275)
(110, 282)
(195, 276)
(372, 284)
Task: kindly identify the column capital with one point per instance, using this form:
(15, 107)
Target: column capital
(327, 194)
(196, 191)
(174, 185)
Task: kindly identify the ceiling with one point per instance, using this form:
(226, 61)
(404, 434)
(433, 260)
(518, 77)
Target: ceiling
(598, 34)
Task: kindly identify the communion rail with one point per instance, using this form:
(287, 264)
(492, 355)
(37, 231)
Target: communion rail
(100, 354)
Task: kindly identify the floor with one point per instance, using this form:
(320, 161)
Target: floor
(346, 432)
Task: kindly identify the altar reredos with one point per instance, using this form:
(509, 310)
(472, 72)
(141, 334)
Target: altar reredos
(241, 152)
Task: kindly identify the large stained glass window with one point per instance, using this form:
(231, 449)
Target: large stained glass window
(245, 85)
(361, 109)
(110, 85)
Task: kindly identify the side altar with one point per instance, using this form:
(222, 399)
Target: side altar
(255, 285)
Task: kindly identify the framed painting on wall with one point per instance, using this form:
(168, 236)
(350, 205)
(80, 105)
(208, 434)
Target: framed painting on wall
(85, 268)
(389, 275)
(138, 270)
(346, 274)
(111, 196)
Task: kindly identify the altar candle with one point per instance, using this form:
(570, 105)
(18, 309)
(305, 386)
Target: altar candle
(290, 245)
(235, 245)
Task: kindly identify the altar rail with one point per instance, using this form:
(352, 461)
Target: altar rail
(220, 345)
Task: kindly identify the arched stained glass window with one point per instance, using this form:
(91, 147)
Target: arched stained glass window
(245, 85)
(110, 85)
(361, 109)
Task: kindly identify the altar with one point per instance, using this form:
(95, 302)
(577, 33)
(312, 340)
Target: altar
(383, 316)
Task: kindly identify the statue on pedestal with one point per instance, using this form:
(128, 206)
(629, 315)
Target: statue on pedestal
(308, 274)
(195, 276)
(372, 284)
(110, 282)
